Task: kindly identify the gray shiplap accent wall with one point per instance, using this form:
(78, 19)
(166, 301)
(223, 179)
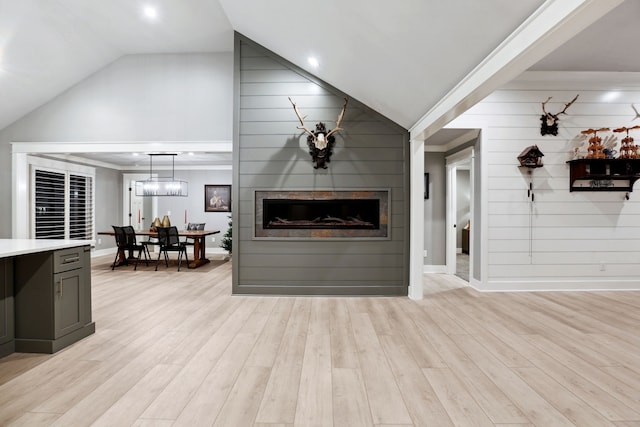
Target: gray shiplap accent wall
(370, 153)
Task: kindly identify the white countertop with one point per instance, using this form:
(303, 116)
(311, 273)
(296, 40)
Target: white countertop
(13, 247)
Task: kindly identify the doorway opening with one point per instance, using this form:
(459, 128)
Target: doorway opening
(459, 213)
(463, 220)
(137, 211)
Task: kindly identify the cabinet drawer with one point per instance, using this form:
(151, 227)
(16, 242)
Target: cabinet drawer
(68, 259)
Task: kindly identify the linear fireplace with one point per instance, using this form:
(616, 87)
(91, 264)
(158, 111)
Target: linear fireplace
(322, 214)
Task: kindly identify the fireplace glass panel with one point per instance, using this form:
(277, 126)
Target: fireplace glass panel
(322, 214)
(350, 214)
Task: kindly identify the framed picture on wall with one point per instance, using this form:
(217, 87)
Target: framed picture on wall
(217, 198)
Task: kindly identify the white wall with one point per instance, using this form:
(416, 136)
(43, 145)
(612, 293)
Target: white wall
(167, 97)
(164, 97)
(565, 240)
(435, 209)
(108, 204)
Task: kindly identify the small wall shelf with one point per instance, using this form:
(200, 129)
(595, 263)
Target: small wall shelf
(603, 174)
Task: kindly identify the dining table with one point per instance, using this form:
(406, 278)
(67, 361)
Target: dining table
(199, 238)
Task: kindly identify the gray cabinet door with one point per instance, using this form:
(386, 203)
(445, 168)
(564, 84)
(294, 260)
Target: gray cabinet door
(68, 301)
(6, 300)
(52, 299)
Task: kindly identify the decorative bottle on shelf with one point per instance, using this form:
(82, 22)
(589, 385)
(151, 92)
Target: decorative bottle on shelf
(165, 221)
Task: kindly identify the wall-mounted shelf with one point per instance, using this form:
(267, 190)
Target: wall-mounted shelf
(603, 174)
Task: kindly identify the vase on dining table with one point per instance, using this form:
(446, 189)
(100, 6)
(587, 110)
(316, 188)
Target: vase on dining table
(155, 224)
(166, 222)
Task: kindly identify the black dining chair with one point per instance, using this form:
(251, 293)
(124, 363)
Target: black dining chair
(121, 243)
(132, 246)
(170, 242)
(151, 241)
(126, 242)
(190, 241)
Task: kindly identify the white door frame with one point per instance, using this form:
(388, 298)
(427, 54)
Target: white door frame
(453, 163)
(416, 218)
(65, 150)
(127, 178)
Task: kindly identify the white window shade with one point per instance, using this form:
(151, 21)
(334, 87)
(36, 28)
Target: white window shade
(49, 212)
(62, 201)
(80, 207)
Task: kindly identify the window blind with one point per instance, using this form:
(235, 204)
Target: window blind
(49, 204)
(80, 207)
(63, 205)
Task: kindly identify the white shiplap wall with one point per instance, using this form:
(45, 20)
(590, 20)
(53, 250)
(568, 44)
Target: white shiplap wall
(564, 240)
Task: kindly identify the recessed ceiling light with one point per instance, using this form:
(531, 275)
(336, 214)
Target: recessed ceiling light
(135, 154)
(150, 13)
(313, 61)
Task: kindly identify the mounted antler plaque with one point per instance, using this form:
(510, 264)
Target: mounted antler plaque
(321, 140)
(549, 121)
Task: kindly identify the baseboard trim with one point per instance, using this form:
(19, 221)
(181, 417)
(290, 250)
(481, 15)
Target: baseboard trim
(547, 286)
(437, 269)
(112, 251)
(50, 346)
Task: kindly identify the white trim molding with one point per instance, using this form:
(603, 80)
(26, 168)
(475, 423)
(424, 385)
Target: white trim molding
(416, 222)
(42, 147)
(519, 285)
(21, 196)
(435, 269)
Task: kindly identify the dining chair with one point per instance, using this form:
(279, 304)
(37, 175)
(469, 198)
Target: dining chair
(121, 243)
(151, 241)
(132, 246)
(190, 241)
(170, 242)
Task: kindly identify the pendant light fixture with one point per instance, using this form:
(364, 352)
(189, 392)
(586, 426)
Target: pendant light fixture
(162, 186)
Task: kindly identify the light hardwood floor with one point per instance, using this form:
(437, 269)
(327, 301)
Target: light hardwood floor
(176, 349)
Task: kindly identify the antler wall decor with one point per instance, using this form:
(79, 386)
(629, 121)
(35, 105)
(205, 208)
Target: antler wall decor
(321, 140)
(549, 121)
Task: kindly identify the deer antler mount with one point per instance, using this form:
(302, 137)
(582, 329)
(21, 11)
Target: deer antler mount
(320, 140)
(549, 121)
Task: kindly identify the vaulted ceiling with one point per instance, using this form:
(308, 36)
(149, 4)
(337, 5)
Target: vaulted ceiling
(401, 58)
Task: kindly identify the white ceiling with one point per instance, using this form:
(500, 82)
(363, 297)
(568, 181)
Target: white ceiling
(610, 44)
(400, 58)
(366, 45)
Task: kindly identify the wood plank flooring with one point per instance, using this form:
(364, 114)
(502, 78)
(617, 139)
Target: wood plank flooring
(177, 349)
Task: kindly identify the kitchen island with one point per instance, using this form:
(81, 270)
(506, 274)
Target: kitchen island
(45, 294)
